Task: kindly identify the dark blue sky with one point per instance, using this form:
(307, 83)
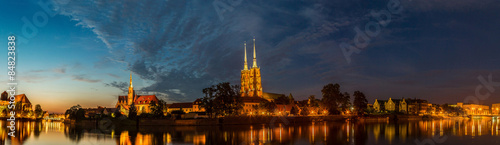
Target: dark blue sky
(432, 49)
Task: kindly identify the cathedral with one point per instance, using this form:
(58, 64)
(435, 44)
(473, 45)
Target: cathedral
(251, 85)
(141, 102)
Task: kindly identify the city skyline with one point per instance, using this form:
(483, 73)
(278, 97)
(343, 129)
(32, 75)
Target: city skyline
(86, 50)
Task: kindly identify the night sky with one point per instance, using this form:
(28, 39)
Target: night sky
(83, 54)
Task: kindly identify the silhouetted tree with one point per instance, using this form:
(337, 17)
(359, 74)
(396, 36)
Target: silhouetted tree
(132, 112)
(333, 99)
(294, 110)
(222, 99)
(282, 100)
(304, 111)
(313, 102)
(75, 112)
(38, 111)
(267, 106)
(360, 102)
(157, 108)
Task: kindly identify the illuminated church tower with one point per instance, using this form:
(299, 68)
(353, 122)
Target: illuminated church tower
(131, 93)
(251, 85)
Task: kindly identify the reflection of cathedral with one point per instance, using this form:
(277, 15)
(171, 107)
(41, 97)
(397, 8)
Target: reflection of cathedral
(250, 78)
(141, 102)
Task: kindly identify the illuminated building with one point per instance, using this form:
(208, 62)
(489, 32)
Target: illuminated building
(474, 109)
(495, 109)
(21, 98)
(390, 105)
(141, 102)
(250, 78)
(186, 107)
(197, 106)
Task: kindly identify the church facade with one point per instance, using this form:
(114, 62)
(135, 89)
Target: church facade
(141, 102)
(251, 85)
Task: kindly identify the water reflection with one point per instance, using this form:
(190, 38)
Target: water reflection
(356, 133)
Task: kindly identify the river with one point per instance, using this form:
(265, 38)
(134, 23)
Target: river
(435, 132)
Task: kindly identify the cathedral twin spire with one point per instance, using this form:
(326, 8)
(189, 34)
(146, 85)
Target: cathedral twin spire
(245, 67)
(250, 77)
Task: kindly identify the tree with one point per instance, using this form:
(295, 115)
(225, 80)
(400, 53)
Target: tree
(222, 99)
(38, 111)
(80, 114)
(267, 106)
(292, 100)
(333, 99)
(72, 112)
(304, 111)
(345, 101)
(157, 107)
(207, 102)
(132, 112)
(294, 110)
(360, 102)
(282, 100)
(312, 101)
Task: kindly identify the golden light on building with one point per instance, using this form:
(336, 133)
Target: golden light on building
(251, 85)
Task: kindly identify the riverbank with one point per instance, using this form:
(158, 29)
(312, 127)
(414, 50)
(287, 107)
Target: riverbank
(231, 120)
(244, 120)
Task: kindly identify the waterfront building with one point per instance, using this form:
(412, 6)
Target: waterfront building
(197, 106)
(186, 107)
(141, 102)
(377, 106)
(25, 102)
(399, 105)
(282, 109)
(99, 111)
(475, 109)
(417, 106)
(251, 104)
(495, 109)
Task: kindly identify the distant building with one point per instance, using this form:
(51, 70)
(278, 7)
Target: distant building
(475, 109)
(197, 106)
(99, 111)
(417, 106)
(250, 104)
(284, 109)
(141, 102)
(21, 98)
(390, 105)
(186, 107)
(495, 109)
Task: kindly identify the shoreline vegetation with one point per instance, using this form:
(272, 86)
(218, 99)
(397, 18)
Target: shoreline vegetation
(223, 104)
(250, 120)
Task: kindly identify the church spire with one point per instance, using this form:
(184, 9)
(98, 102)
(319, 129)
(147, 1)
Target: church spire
(131, 86)
(254, 56)
(246, 65)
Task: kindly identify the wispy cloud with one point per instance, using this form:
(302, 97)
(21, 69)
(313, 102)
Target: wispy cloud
(113, 75)
(182, 46)
(84, 78)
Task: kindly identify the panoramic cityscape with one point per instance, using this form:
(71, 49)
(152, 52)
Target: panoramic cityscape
(393, 72)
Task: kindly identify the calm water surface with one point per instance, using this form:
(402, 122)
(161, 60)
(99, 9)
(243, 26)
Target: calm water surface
(449, 131)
